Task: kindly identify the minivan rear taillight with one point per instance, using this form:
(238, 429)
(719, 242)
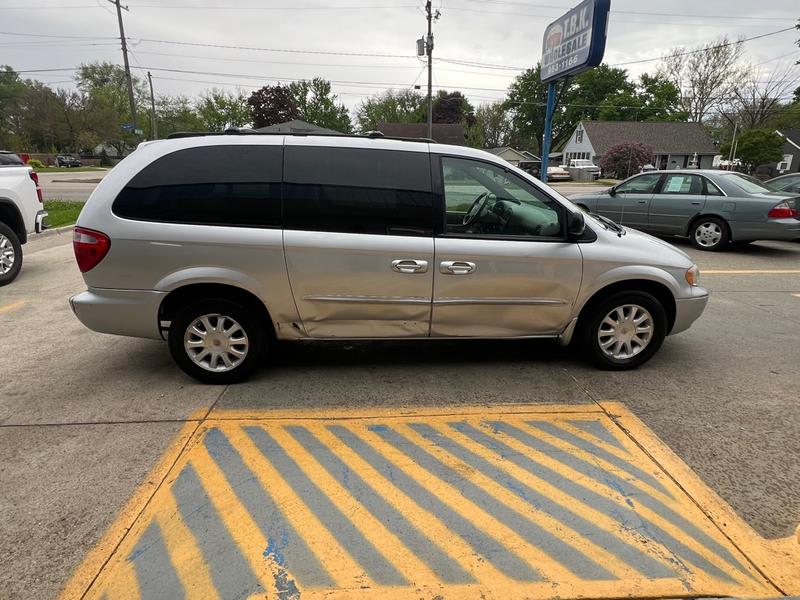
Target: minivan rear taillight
(90, 247)
(785, 210)
(35, 178)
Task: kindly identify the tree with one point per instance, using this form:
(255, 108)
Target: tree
(452, 107)
(177, 113)
(403, 106)
(12, 95)
(218, 109)
(760, 97)
(492, 128)
(272, 104)
(757, 147)
(706, 75)
(526, 101)
(625, 159)
(317, 104)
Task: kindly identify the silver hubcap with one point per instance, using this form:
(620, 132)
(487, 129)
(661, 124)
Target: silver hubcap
(708, 234)
(625, 332)
(6, 255)
(216, 343)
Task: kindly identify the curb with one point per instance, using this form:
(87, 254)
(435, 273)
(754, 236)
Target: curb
(67, 229)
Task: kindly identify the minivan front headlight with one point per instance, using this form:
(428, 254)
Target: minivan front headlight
(693, 276)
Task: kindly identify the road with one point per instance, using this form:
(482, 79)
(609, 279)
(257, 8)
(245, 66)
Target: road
(84, 416)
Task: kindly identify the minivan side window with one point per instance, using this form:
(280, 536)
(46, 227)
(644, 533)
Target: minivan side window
(209, 185)
(357, 190)
(486, 200)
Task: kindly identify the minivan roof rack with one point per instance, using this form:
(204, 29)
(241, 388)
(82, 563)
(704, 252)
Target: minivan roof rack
(372, 135)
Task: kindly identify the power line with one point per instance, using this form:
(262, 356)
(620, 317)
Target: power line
(42, 35)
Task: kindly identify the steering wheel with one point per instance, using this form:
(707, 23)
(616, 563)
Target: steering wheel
(477, 208)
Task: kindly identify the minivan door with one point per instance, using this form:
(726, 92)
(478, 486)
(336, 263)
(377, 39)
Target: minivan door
(358, 238)
(503, 266)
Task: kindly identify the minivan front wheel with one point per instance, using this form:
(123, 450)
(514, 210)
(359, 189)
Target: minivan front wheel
(625, 330)
(216, 341)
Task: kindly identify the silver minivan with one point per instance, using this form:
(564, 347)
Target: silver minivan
(223, 244)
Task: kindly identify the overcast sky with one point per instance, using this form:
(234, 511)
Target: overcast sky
(505, 33)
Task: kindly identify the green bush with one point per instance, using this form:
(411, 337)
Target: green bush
(35, 163)
(104, 160)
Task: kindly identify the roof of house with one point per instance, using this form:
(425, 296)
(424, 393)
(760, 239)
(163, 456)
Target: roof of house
(664, 137)
(297, 126)
(443, 133)
(523, 155)
(791, 135)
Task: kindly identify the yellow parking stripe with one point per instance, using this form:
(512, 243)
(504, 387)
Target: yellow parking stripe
(189, 564)
(12, 306)
(617, 568)
(699, 576)
(501, 503)
(383, 539)
(751, 272)
(346, 571)
(237, 520)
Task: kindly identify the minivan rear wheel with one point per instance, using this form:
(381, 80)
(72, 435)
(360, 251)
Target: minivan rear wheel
(624, 331)
(216, 341)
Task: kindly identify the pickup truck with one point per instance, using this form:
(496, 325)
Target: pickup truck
(578, 166)
(21, 212)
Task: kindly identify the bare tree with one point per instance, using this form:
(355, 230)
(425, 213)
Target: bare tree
(760, 95)
(706, 75)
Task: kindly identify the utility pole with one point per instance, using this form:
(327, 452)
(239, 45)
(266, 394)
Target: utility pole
(734, 141)
(153, 127)
(131, 99)
(429, 51)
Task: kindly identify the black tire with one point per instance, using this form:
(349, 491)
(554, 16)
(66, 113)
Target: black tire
(716, 229)
(590, 327)
(248, 321)
(13, 251)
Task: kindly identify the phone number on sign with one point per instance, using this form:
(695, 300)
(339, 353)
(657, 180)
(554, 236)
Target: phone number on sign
(564, 63)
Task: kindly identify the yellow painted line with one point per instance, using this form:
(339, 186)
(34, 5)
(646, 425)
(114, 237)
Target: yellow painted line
(751, 272)
(12, 306)
(777, 559)
(109, 569)
(181, 544)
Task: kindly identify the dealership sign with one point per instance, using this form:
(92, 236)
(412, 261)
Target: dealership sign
(576, 41)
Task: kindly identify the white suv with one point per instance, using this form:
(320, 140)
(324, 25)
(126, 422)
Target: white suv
(21, 212)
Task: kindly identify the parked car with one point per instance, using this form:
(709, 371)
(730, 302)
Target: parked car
(221, 244)
(556, 173)
(712, 208)
(21, 212)
(67, 160)
(786, 183)
(584, 166)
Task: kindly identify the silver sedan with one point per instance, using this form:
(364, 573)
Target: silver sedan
(711, 208)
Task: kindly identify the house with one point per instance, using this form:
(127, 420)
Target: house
(527, 161)
(675, 145)
(443, 133)
(791, 152)
(298, 126)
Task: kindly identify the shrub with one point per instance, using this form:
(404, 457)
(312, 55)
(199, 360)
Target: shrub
(104, 160)
(35, 163)
(626, 159)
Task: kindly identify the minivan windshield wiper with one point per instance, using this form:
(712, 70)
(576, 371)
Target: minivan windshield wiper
(609, 224)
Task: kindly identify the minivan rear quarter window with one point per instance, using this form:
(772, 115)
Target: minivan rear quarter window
(211, 185)
(357, 190)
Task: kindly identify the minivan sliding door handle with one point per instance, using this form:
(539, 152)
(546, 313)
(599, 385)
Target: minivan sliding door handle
(457, 267)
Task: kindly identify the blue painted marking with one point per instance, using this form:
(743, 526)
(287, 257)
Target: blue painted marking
(482, 543)
(598, 430)
(285, 546)
(575, 561)
(352, 540)
(596, 450)
(155, 572)
(229, 571)
(626, 517)
(447, 569)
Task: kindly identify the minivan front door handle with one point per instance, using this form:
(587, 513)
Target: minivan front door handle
(457, 267)
(410, 266)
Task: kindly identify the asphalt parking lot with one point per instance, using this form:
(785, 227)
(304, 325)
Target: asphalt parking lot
(85, 417)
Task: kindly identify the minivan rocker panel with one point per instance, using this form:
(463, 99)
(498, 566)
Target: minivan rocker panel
(223, 243)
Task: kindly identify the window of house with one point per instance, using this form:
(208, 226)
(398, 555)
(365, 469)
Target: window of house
(483, 199)
(786, 163)
(357, 190)
(210, 185)
(579, 136)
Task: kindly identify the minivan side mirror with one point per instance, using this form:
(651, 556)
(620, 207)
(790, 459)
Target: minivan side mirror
(576, 225)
